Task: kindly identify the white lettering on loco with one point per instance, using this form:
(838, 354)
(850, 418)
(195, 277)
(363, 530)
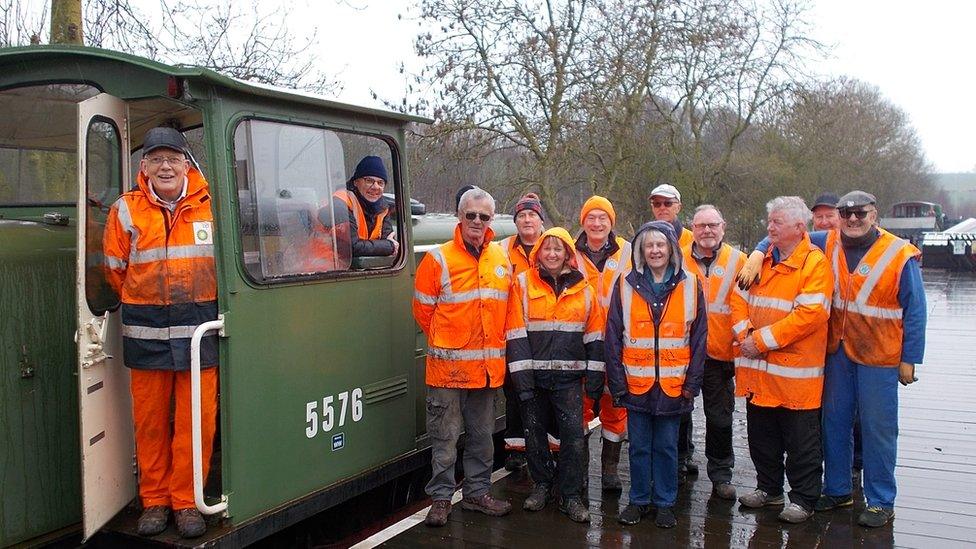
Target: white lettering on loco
(348, 400)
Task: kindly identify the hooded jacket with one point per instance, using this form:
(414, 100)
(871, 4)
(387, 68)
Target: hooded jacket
(655, 401)
(554, 328)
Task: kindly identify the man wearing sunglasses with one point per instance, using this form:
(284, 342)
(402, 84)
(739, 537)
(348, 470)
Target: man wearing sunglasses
(460, 302)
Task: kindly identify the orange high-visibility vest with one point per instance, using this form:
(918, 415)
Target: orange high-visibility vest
(685, 238)
(615, 267)
(515, 254)
(867, 316)
(349, 198)
(717, 287)
(658, 354)
(460, 302)
(786, 316)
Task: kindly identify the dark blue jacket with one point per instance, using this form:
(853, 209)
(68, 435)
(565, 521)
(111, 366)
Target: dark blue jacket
(654, 401)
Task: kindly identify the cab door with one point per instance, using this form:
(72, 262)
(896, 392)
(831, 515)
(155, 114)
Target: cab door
(107, 439)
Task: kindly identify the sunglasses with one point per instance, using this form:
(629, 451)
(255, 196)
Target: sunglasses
(471, 216)
(664, 204)
(860, 214)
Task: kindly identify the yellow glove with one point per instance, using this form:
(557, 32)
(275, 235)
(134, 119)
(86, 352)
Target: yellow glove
(749, 274)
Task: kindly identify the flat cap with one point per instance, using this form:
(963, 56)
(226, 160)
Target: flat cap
(667, 191)
(162, 137)
(856, 199)
(825, 199)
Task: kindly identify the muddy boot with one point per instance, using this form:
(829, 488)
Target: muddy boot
(609, 460)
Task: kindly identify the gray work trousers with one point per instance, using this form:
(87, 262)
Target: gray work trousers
(448, 410)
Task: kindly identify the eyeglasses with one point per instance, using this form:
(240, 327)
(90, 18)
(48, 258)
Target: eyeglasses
(663, 204)
(374, 181)
(171, 160)
(860, 214)
(471, 216)
(709, 226)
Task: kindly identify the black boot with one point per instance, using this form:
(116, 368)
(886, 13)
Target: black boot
(609, 460)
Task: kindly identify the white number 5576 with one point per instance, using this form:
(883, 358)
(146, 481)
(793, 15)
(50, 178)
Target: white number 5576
(329, 406)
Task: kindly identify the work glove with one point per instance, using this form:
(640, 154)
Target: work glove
(594, 385)
(749, 274)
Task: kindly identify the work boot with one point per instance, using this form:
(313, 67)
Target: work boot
(537, 498)
(826, 503)
(514, 461)
(609, 461)
(575, 510)
(665, 518)
(190, 523)
(153, 520)
(758, 498)
(487, 505)
(632, 514)
(689, 467)
(724, 490)
(794, 513)
(439, 510)
(875, 517)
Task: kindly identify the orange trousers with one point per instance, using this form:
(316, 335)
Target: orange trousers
(163, 450)
(613, 419)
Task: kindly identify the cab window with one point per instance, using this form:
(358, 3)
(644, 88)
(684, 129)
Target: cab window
(298, 210)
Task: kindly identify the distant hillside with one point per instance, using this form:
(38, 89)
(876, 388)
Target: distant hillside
(959, 191)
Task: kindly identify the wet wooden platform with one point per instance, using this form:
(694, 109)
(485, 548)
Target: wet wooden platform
(936, 472)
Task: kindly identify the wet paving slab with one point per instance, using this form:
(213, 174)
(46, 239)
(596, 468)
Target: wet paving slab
(936, 473)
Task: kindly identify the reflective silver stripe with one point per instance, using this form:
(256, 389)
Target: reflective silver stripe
(835, 261)
(424, 298)
(690, 286)
(744, 294)
(465, 354)
(554, 325)
(560, 365)
(870, 310)
(590, 337)
(720, 304)
(473, 295)
(125, 219)
(662, 342)
(595, 366)
(516, 442)
(767, 302)
(719, 308)
(438, 255)
(115, 262)
(769, 340)
(189, 251)
(673, 371)
(626, 299)
(878, 269)
(159, 334)
(519, 366)
(648, 371)
(524, 284)
(794, 372)
(515, 333)
(740, 326)
(812, 299)
(504, 244)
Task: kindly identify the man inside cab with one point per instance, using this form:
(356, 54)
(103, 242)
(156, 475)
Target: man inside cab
(460, 302)
(604, 257)
(158, 247)
(716, 263)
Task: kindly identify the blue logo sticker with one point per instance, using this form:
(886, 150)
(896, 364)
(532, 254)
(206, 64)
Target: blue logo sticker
(500, 271)
(719, 271)
(863, 270)
(338, 441)
(612, 264)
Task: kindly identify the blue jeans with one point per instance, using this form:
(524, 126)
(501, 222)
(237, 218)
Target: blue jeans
(653, 458)
(872, 393)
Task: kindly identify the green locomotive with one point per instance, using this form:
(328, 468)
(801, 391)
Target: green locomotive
(321, 365)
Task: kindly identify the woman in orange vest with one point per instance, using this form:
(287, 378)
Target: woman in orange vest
(656, 338)
(554, 339)
(370, 215)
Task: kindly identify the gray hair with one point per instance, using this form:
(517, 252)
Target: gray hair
(472, 195)
(704, 207)
(793, 206)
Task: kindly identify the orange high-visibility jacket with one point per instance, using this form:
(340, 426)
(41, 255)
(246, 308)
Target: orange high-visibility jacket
(351, 202)
(786, 316)
(867, 316)
(685, 238)
(617, 266)
(546, 332)
(660, 354)
(515, 254)
(162, 265)
(460, 303)
(717, 286)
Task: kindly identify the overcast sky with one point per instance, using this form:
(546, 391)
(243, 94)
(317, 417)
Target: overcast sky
(920, 54)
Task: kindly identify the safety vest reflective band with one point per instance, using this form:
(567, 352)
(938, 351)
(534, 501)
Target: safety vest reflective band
(666, 362)
(603, 281)
(795, 372)
(867, 314)
(460, 302)
(717, 287)
(349, 198)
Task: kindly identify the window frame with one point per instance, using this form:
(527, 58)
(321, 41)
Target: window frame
(400, 262)
(121, 190)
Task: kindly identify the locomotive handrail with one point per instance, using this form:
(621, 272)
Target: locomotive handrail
(195, 413)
